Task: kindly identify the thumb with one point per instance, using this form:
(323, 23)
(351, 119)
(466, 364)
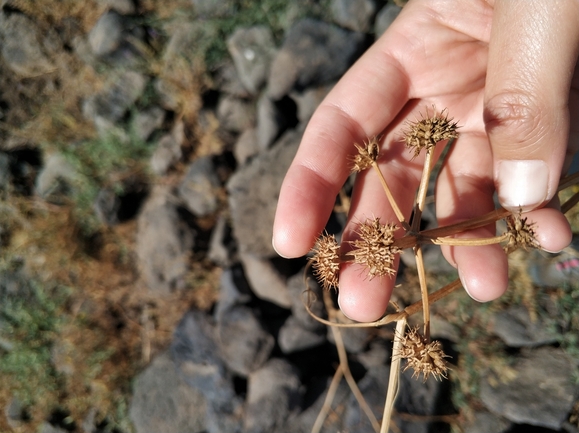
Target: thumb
(533, 50)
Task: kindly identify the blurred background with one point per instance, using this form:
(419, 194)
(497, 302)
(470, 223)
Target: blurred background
(142, 147)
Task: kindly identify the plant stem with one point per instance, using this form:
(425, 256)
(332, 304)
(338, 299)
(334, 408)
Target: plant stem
(568, 181)
(423, 290)
(470, 241)
(565, 207)
(421, 195)
(392, 391)
(390, 197)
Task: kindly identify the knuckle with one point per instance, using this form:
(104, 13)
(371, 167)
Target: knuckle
(518, 119)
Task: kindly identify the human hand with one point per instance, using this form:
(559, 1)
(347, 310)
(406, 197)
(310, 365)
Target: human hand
(507, 72)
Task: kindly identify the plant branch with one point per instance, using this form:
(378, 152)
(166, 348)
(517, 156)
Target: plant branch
(393, 387)
(421, 195)
(423, 290)
(390, 197)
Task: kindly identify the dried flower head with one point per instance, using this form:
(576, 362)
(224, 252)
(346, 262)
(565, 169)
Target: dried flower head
(423, 357)
(368, 153)
(520, 234)
(326, 261)
(425, 133)
(374, 248)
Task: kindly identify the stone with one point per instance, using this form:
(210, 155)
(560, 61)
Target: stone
(313, 53)
(55, 178)
(212, 8)
(199, 188)
(540, 390)
(517, 329)
(15, 413)
(354, 339)
(252, 50)
(246, 146)
(293, 337)
(373, 387)
(308, 100)
(379, 353)
(197, 356)
(355, 15)
(168, 152)
(233, 291)
(5, 175)
(24, 48)
(385, 18)
(235, 114)
(227, 80)
(221, 244)
(164, 243)
(297, 295)
(253, 192)
(46, 427)
(270, 121)
(265, 281)
(274, 395)
(124, 7)
(116, 98)
(245, 344)
(106, 206)
(107, 34)
(486, 422)
(162, 402)
(147, 121)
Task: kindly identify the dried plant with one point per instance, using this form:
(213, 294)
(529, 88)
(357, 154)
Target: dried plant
(376, 247)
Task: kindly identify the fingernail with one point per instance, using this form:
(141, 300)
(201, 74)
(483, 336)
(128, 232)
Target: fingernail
(465, 287)
(522, 184)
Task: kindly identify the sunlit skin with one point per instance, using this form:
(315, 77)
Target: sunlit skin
(505, 70)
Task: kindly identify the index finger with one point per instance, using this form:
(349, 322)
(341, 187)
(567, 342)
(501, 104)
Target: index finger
(361, 105)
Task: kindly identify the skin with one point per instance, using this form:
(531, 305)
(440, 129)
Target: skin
(506, 71)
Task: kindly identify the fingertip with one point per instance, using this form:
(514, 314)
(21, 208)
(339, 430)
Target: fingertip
(483, 271)
(552, 229)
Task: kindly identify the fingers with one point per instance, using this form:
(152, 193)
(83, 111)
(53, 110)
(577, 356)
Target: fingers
(359, 106)
(465, 190)
(532, 55)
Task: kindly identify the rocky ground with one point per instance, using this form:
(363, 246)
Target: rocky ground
(142, 148)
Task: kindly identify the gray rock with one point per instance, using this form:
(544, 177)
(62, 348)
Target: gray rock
(162, 402)
(233, 291)
(294, 337)
(309, 99)
(147, 121)
(163, 243)
(106, 206)
(46, 427)
(227, 80)
(379, 353)
(253, 193)
(15, 414)
(5, 176)
(200, 186)
(355, 339)
(55, 178)
(124, 7)
(196, 354)
(24, 48)
(116, 98)
(355, 15)
(486, 422)
(385, 18)
(313, 53)
(373, 387)
(246, 146)
(245, 344)
(168, 151)
(297, 295)
(212, 8)
(516, 328)
(274, 395)
(270, 121)
(235, 114)
(416, 397)
(252, 50)
(221, 244)
(107, 34)
(540, 393)
(265, 281)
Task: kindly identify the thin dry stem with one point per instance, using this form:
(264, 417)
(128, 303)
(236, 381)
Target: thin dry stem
(568, 205)
(422, 190)
(342, 355)
(423, 290)
(568, 181)
(391, 198)
(455, 242)
(393, 381)
(332, 389)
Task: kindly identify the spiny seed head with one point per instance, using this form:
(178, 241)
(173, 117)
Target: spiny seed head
(374, 249)
(426, 132)
(326, 261)
(368, 153)
(423, 357)
(520, 234)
